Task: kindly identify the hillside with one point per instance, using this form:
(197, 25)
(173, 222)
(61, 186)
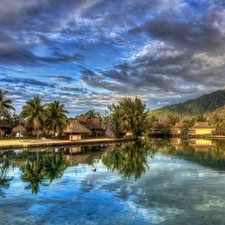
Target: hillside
(220, 111)
(207, 103)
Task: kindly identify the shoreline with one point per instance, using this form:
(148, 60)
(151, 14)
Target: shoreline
(24, 144)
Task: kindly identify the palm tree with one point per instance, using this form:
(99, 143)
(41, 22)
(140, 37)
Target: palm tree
(55, 117)
(93, 114)
(33, 112)
(5, 104)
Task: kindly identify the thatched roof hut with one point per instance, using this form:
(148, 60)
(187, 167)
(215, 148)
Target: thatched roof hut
(4, 124)
(94, 123)
(75, 129)
(19, 129)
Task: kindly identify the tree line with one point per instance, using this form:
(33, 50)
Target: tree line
(127, 116)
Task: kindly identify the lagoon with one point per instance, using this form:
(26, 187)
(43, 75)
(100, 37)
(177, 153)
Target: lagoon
(152, 182)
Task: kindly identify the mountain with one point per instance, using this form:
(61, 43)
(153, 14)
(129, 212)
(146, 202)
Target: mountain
(204, 104)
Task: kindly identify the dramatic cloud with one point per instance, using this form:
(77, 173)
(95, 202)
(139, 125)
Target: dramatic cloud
(90, 53)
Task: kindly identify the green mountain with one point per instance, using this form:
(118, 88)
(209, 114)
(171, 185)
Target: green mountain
(204, 104)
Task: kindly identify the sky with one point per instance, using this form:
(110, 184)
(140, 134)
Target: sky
(88, 54)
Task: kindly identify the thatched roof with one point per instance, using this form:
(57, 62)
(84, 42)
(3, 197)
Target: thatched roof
(4, 124)
(74, 126)
(82, 118)
(94, 123)
(201, 125)
(19, 129)
(177, 126)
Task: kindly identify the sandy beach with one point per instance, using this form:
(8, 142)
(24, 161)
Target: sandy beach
(25, 143)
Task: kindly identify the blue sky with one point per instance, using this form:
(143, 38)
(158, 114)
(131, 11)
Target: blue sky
(89, 54)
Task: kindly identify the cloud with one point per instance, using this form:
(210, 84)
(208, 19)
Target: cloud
(165, 52)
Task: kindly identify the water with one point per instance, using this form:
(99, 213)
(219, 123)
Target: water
(144, 183)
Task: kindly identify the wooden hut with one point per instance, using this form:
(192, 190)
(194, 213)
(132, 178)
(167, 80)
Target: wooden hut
(175, 131)
(19, 129)
(75, 130)
(201, 128)
(157, 129)
(4, 125)
(93, 124)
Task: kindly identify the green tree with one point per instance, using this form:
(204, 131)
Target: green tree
(130, 115)
(33, 113)
(170, 120)
(5, 104)
(93, 114)
(200, 118)
(55, 117)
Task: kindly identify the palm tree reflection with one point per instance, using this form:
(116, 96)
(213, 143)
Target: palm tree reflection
(43, 170)
(4, 179)
(130, 160)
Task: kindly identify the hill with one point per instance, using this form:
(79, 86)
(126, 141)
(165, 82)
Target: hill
(220, 111)
(207, 103)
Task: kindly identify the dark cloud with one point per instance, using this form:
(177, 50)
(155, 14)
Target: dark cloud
(162, 51)
(26, 81)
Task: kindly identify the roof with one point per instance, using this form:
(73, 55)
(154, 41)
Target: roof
(82, 118)
(4, 124)
(19, 128)
(177, 126)
(202, 125)
(74, 126)
(94, 123)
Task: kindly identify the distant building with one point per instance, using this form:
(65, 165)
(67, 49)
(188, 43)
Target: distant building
(75, 130)
(200, 128)
(157, 129)
(4, 125)
(175, 131)
(93, 124)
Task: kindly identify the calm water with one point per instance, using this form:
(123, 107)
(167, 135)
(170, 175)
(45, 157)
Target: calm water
(151, 182)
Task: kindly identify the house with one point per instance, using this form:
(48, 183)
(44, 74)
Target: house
(175, 131)
(4, 125)
(157, 129)
(201, 128)
(93, 124)
(75, 130)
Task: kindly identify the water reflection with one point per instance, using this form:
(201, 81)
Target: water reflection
(130, 160)
(171, 186)
(205, 152)
(40, 167)
(4, 178)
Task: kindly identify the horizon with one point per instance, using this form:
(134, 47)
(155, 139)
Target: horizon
(88, 54)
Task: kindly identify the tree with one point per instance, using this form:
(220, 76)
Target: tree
(5, 104)
(55, 117)
(200, 118)
(170, 120)
(93, 114)
(33, 113)
(129, 115)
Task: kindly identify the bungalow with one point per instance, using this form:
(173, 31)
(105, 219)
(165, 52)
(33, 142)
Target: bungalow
(201, 128)
(94, 124)
(157, 129)
(4, 125)
(75, 130)
(175, 131)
